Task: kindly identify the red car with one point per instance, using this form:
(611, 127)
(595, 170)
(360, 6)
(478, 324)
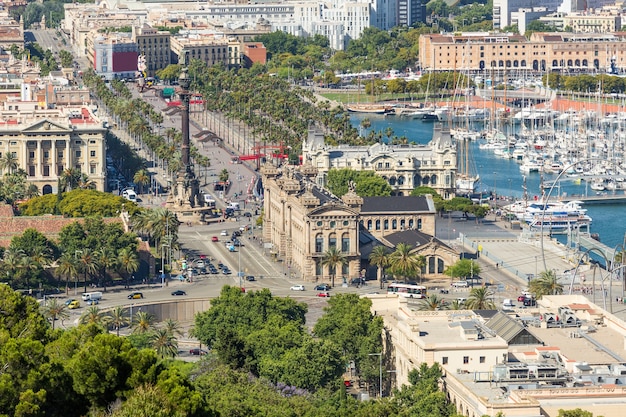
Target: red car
(323, 294)
(521, 298)
(215, 239)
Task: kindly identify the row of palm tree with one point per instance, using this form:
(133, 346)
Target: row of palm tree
(98, 262)
(480, 298)
(162, 338)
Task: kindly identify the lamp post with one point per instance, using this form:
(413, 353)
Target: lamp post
(76, 252)
(380, 372)
(163, 264)
(495, 190)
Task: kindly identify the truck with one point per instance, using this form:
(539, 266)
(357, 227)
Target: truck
(92, 296)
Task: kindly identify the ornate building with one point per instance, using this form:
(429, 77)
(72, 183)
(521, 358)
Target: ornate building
(302, 221)
(404, 167)
(45, 142)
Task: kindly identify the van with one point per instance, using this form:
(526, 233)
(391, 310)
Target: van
(460, 284)
(92, 296)
(233, 205)
(507, 303)
(130, 195)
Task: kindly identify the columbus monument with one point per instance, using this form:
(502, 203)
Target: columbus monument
(184, 197)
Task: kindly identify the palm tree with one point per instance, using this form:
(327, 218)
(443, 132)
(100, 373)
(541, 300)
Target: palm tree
(70, 178)
(55, 310)
(165, 343)
(380, 257)
(480, 298)
(432, 303)
(546, 284)
(128, 261)
(173, 327)
(68, 266)
(106, 259)
(118, 317)
(142, 322)
(224, 175)
(403, 262)
(9, 162)
(94, 315)
(88, 264)
(141, 178)
(456, 305)
(332, 258)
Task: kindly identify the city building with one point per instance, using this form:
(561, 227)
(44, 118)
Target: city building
(206, 48)
(11, 31)
(411, 12)
(302, 221)
(154, 45)
(565, 353)
(45, 142)
(404, 167)
(502, 9)
(559, 51)
(112, 56)
(590, 22)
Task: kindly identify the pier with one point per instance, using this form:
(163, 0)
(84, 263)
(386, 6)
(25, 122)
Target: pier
(601, 198)
(583, 241)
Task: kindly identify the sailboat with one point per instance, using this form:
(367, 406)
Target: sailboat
(466, 182)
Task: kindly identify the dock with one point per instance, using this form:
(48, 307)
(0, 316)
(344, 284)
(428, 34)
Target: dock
(585, 243)
(601, 198)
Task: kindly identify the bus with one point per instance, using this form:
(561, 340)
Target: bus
(407, 290)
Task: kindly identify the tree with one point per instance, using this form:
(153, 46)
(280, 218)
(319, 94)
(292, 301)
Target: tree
(405, 263)
(94, 315)
(141, 178)
(88, 264)
(380, 257)
(55, 310)
(143, 322)
(432, 303)
(128, 262)
(578, 412)
(333, 258)
(169, 73)
(118, 317)
(546, 284)
(164, 343)
(106, 259)
(463, 268)
(224, 175)
(480, 298)
(9, 162)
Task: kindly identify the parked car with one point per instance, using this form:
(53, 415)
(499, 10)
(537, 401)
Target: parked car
(226, 271)
(322, 287)
(460, 284)
(224, 233)
(215, 239)
(197, 351)
(299, 287)
(250, 278)
(179, 292)
(73, 304)
(323, 294)
(135, 295)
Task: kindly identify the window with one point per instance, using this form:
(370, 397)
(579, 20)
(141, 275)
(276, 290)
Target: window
(377, 224)
(465, 359)
(46, 170)
(333, 224)
(46, 154)
(92, 169)
(60, 154)
(319, 224)
(319, 243)
(31, 154)
(332, 241)
(444, 360)
(419, 224)
(386, 224)
(92, 153)
(31, 170)
(345, 243)
(78, 154)
(482, 359)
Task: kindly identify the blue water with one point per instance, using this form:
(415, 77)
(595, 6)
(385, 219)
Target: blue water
(505, 178)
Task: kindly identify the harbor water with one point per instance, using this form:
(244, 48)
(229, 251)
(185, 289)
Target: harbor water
(504, 178)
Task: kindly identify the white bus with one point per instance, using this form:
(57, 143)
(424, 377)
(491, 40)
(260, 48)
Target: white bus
(407, 290)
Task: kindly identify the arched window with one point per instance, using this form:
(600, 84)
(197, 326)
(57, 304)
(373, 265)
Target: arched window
(345, 243)
(555, 63)
(417, 180)
(543, 65)
(332, 240)
(481, 65)
(319, 268)
(515, 63)
(419, 224)
(402, 223)
(493, 64)
(522, 63)
(596, 63)
(508, 63)
(401, 180)
(500, 63)
(386, 224)
(535, 65)
(425, 180)
(585, 63)
(433, 180)
(577, 63)
(411, 223)
(369, 225)
(47, 189)
(392, 181)
(319, 243)
(570, 63)
(377, 224)
(394, 224)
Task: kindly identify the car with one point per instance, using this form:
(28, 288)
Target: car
(197, 352)
(236, 233)
(179, 292)
(92, 302)
(521, 298)
(214, 271)
(226, 271)
(237, 243)
(200, 264)
(250, 278)
(215, 239)
(298, 287)
(247, 214)
(135, 295)
(74, 304)
(322, 287)
(461, 300)
(224, 233)
(460, 284)
(69, 301)
(323, 294)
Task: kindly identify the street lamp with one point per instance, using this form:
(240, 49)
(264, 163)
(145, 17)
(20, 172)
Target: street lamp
(163, 264)
(495, 189)
(76, 252)
(380, 372)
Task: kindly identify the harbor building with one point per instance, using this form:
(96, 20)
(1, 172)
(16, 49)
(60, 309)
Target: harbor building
(302, 221)
(404, 167)
(565, 353)
(560, 51)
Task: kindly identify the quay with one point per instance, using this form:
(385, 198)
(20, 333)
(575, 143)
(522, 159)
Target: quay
(600, 198)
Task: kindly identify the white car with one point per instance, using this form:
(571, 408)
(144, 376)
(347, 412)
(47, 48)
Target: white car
(224, 233)
(297, 288)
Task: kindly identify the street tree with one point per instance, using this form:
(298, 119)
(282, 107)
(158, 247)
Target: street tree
(55, 310)
(118, 318)
(380, 257)
(480, 298)
(546, 284)
(333, 258)
(463, 268)
(405, 263)
(432, 303)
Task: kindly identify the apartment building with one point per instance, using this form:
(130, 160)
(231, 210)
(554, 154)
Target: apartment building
(502, 9)
(113, 56)
(154, 45)
(590, 22)
(501, 51)
(404, 167)
(11, 31)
